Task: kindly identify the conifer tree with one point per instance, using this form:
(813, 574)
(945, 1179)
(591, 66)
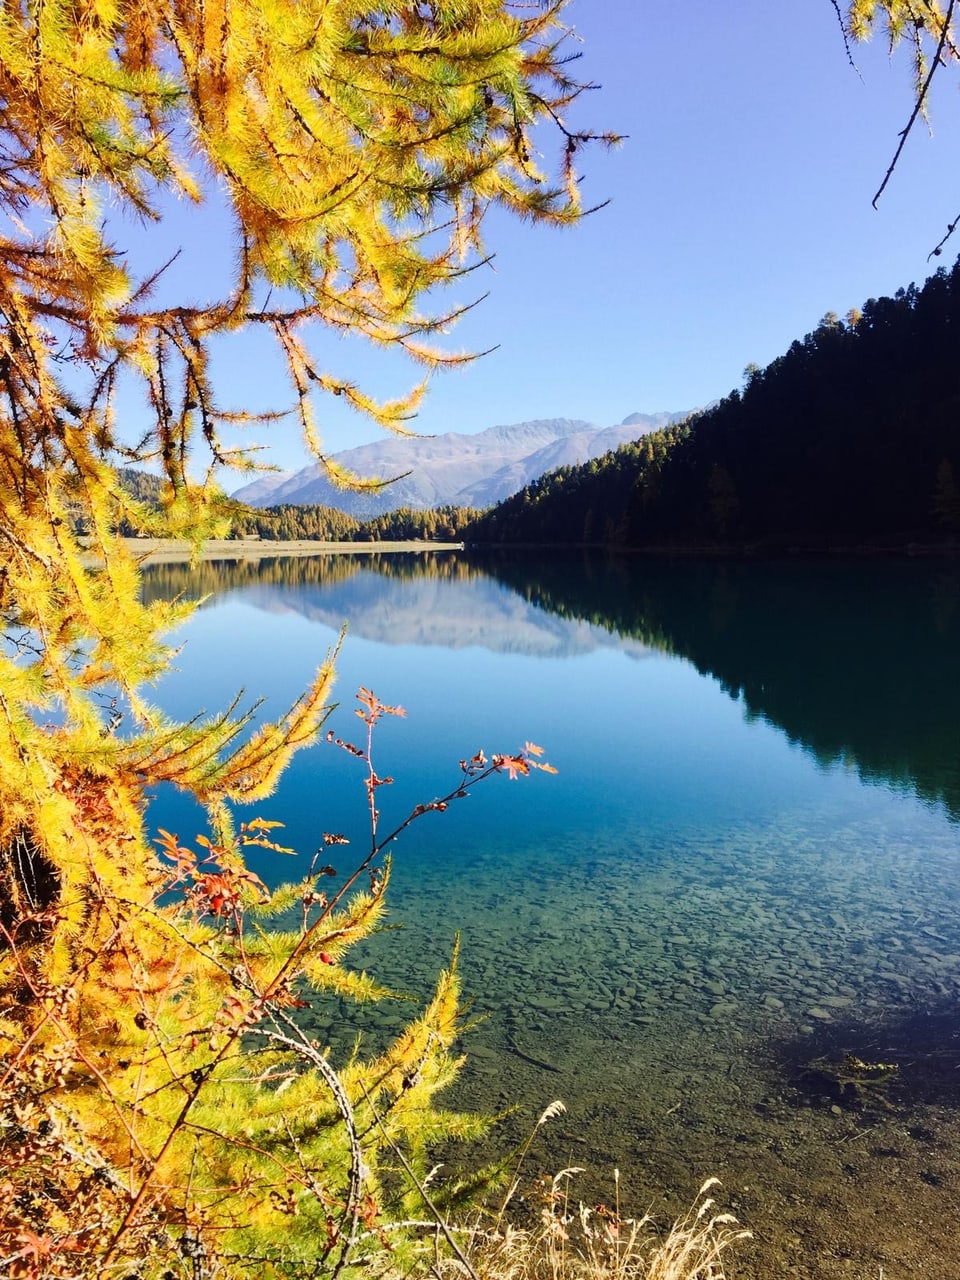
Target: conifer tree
(357, 147)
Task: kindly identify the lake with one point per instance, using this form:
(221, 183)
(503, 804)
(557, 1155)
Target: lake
(745, 870)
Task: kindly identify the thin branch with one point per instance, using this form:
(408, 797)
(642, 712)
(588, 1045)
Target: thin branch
(845, 35)
(358, 1170)
(937, 249)
(448, 1235)
(921, 99)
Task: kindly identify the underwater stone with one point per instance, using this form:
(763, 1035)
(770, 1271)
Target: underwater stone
(724, 1009)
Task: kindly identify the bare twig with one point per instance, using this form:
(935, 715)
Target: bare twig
(921, 100)
(937, 249)
(358, 1170)
(845, 35)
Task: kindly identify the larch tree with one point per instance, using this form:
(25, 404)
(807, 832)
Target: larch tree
(161, 1112)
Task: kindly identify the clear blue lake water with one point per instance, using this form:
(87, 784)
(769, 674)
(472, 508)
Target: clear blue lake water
(745, 869)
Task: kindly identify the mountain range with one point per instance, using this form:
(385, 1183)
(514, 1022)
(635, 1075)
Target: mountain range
(451, 469)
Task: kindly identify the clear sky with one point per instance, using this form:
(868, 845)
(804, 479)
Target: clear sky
(740, 212)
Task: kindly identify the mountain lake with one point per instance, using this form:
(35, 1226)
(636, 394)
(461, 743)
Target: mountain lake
(726, 933)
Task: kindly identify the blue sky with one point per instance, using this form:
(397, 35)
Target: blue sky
(740, 212)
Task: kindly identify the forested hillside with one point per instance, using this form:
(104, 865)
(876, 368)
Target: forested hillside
(584, 504)
(851, 437)
(141, 485)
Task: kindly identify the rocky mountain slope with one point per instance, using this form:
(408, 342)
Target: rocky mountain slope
(453, 468)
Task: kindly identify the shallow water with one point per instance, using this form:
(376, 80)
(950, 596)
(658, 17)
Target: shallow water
(746, 867)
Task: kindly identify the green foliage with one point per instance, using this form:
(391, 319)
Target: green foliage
(288, 523)
(444, 523)
(143, 487)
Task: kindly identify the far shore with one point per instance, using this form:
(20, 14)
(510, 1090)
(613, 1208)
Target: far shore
(169, 550)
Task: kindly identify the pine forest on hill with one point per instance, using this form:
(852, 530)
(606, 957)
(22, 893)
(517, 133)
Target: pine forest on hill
(581, 505)
(291, 522)
(850, 438)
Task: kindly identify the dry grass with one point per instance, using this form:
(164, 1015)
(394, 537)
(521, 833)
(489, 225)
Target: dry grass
(598, 1244)
(569, 1241)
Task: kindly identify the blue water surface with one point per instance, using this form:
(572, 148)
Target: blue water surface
(747, 861)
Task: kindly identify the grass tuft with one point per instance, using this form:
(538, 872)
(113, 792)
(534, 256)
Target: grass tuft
(580, 1243)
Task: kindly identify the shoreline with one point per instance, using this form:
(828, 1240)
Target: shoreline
(171, 550)
(174, 550)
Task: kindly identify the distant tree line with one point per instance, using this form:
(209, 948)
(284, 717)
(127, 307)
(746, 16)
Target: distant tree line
(288, 522)
(851, 437)
(142, 486)
(291, 523)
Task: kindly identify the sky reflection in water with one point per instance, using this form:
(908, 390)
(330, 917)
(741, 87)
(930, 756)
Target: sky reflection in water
(639, 736)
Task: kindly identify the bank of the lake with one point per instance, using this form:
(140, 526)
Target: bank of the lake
(171, 550)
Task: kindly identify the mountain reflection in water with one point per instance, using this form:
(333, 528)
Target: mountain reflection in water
(855, 662)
